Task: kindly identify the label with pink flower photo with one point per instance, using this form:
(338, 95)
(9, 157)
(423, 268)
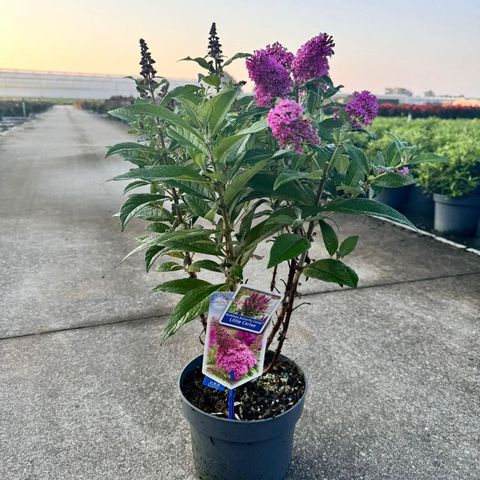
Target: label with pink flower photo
(232, 356)
(250, 309)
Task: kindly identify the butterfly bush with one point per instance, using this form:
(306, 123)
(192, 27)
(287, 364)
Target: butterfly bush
(271, 78)
(280, 54)
(289, 127)
(311, 60)
(219, 184)
(362, 108)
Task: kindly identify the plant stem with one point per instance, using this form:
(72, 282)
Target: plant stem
(291, 287)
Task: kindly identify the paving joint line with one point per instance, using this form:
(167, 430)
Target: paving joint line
(392, 284)
(159, 317)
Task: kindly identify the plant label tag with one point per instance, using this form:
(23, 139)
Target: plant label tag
(250, 309)
(232, 356)
(211, 383)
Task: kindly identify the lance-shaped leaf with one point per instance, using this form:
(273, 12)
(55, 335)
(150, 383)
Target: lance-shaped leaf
(348, 245)
(393, 180)
(216, 109)
(128, 147)
(287, 246)
(241, 179)
(235, 57)
(134, 204)
(365, 206)
(199, 60)
(208, 265)
(162, 173)
(160, 111)
(427, 158)
(330, 270)
(330, 238)
(194, 303)
(292, 175)
(183, 91)
(181, 286)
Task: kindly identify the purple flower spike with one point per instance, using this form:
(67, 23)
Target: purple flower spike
(362, 108)
(280, 54)
(271, 78)
(289, 127)
(311, 60)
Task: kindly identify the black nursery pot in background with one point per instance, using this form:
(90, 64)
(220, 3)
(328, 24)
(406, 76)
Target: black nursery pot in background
(456, 215)
(419, 204)
(239, 450)
(394, 197)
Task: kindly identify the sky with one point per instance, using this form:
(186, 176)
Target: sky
(417, 44)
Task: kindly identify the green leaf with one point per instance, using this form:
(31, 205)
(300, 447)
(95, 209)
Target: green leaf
(212, 80)
(287, 246)
(134, 204)
(187, 139)
(255, 128)
(151, 254)
(348, 246)
(393, 180)
(292, 175)
(208, 265)
(365, 206)
(135, 184)
(262, 184)
(330, 270)
(169, 267)
(240, 180)
(180, 286)
(190, 307)
(226, 144)
(157, 110)
(128, 147)
(427, 158)
(329, 237)
(216, 109)
(358, 167)
(235, 57)
(163, 172)
(200, 246)
(197, 206)
(186, 91)
(199, 60)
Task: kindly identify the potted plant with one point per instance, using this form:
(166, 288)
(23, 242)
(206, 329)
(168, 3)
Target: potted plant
(455, 186)
(221, 171)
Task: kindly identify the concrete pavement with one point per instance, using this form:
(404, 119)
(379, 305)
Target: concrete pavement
(87, 392)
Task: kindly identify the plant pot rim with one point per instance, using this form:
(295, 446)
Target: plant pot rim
(465, 199)
(299, 403)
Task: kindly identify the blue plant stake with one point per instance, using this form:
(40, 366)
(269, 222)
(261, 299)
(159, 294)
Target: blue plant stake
(231, 398)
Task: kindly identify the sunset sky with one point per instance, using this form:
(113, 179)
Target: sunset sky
(417, 44)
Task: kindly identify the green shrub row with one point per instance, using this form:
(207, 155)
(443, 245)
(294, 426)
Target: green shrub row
(458, 140)
(14, 108)
(104, 106)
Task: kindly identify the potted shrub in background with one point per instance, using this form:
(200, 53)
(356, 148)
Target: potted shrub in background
(455, 186)
(221, 171)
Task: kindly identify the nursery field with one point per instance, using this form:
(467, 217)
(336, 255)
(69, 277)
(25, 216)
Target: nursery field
(458, 140)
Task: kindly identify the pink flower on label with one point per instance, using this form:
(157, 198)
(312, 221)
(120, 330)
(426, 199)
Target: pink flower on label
(233, 355)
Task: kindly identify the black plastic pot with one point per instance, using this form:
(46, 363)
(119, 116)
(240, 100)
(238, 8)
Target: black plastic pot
(240, 450)
(394, 197)
(419, 203)
(456, 215)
